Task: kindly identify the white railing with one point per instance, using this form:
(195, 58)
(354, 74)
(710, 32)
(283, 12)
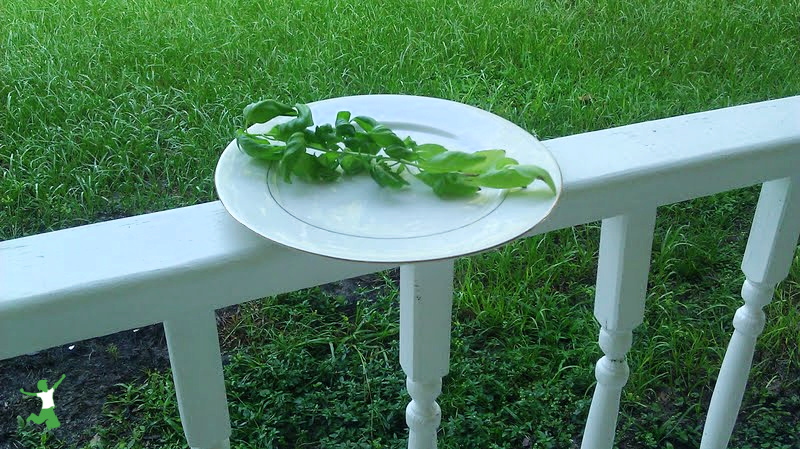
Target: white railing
(178, 266)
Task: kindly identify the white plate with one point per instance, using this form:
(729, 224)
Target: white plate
(355, 219)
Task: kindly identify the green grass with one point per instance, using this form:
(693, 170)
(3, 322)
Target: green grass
(115, 108)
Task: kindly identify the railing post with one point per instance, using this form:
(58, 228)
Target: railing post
(767, 260)
(197, 372)
(625, 246)
(426, 300)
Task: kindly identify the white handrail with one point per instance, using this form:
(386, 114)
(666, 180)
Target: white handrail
(141, 270)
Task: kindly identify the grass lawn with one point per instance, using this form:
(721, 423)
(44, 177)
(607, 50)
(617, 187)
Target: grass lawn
(111, 108)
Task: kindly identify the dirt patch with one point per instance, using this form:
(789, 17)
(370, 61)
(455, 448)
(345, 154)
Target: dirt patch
(94, 367)
(369, 286)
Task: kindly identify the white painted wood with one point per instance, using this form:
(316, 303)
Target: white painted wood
(137, 271)
(773, 234)
(197, 372)
(611, 171)
(426, 300)
(625, 246)
(98, 279)
(767, 261)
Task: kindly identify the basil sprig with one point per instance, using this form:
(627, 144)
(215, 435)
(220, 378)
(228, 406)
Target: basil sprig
(361, 144)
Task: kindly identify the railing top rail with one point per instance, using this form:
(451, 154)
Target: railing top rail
(665, 161)
(139, 268)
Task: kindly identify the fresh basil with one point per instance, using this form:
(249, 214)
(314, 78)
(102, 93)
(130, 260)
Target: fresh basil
(351, 146)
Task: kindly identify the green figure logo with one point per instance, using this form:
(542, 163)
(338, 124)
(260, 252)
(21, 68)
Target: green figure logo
(48, 414)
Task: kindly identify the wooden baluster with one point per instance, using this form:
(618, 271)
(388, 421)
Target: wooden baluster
(625, 246)
(426, 300)
(197, 372)
(767, 260)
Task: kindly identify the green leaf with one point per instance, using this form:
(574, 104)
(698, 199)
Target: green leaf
(306, 167)
(328, 174)
(258, 147)
(366, 123)
(361, 143)
(343, 126)
(326, 135)
(312, 169)
(312, 140)
(353, 165)
(538, 173)
(513, 176)
(505, 162)
(385, 177)
(452, 161)
(345, 130)
(448, 185)
(384, 136)
(295, 148)
(399, 152)
(266, 110)
(303, 120)
(504, 178)
(429, 150)
(494, 159)
(329, 160)
(429, 178)
(342, 117)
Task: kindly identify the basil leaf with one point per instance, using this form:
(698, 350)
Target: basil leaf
(429, 150)
(504, 178)
(514, 176)
(452, 161)
(448, 185)
(505, 162)
(329, 160)
(398, 152)
(328, 174)
(366, 123)
(326, 135)
(345, 130)
(312, 169)
(385, 177)
(306, 167)
(398, 180)
(312, 140)
(343, 126)
(494, 159)
(537, 173)
(353, 165)
(265, 110)
(258, 147)
(428, 178)
(342, 117)
(284, 131)
(384, 136)
(361, 143)
(295, 148)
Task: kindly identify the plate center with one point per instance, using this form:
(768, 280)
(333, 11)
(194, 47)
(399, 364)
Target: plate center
(359, 207)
